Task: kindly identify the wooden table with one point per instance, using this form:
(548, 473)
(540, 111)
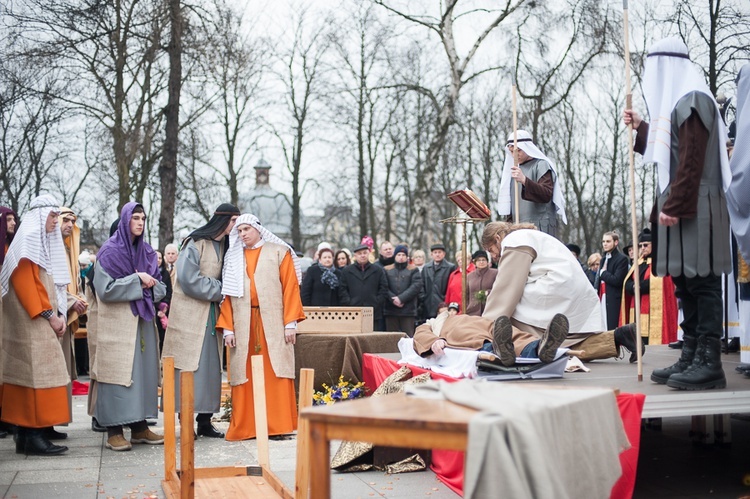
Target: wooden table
(393, 420)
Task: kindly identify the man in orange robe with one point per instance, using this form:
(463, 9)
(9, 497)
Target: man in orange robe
(259, 315)
(34, 281)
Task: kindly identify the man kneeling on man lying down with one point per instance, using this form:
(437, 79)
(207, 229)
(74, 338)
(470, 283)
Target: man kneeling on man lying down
(539, 296)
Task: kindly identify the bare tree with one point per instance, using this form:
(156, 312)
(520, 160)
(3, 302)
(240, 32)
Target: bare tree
(31, 150)
(718, 35)
(444, 101)
(302, 66)
(105, 55)
(168, 165)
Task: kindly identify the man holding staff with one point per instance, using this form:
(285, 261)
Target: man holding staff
(540, 199)
(690, 224)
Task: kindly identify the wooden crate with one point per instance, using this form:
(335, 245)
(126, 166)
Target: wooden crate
(336, 320)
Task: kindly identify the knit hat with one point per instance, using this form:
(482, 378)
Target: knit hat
(453, 305)
(645, 236)
(401, 249)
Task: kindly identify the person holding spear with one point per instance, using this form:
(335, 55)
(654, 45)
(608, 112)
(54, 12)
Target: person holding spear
(690, 223)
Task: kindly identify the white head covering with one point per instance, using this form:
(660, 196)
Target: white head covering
(44, 249)
(526, 144)
(668, 76)
(234, 261)
(737, 198)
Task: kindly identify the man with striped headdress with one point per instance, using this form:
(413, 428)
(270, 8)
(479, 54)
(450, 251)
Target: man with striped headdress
(34, 281)
(259, 315)
(76, 304)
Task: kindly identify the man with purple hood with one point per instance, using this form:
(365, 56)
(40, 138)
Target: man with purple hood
(126, 366)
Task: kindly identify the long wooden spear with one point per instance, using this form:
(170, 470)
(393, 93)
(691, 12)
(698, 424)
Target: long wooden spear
(633, 211)
(516, 188)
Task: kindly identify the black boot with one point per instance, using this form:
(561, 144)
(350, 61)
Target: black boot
(38, 445)
(51, 434)
(95, 426)
(20, 439)
(705, 372)
(661, 376)
(625, 336)
(205, 428)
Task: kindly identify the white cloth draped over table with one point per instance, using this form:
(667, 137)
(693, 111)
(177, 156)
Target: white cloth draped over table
(537, 443)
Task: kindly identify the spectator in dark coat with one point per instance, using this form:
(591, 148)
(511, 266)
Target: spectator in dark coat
(613, 268)
(364, 284)
(435, 280)
(320, 287)
(404, 286)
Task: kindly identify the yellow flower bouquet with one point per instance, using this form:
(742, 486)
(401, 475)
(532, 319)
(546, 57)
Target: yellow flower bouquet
(343, 390)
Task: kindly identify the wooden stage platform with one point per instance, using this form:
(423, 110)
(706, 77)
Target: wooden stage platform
(661, 401)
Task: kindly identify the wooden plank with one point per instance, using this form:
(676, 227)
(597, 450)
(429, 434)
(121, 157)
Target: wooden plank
(276, 484)
(302, 472)
(187, 447)
(320, 461)
(219, 472)
(170, 438)
(259, 402)
(236, 488)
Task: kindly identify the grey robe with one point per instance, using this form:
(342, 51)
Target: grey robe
(120, 405)
(207, 378)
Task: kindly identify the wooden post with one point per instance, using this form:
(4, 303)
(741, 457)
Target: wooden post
(516, 187)
(259, 402)
(464, 286)
(170, 440)
(187, 447)
(633, 206)
(302, 473)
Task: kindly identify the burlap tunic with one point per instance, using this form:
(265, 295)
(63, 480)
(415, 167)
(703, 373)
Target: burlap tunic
(31, 355)
(272, 312)
(195, 300)
(126, 365)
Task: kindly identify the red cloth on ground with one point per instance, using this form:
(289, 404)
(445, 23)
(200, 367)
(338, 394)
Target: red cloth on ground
(80, 388)
(449, 465)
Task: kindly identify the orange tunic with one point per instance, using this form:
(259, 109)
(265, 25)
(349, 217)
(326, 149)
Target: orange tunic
(24, 406)
(281, 404)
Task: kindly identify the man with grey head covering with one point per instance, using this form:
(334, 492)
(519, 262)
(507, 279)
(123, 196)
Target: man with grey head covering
(34, 281)
(541, 198)
(690, 223)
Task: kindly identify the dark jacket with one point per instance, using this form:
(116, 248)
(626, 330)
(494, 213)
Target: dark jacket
(364, 287)
(613, 276)
(434, 284)
(405, 282)
(315, 293)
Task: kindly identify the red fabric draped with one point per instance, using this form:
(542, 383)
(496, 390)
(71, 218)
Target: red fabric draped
(449, 465)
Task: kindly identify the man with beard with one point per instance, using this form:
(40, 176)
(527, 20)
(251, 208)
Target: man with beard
(76, 304)
(191, 334)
